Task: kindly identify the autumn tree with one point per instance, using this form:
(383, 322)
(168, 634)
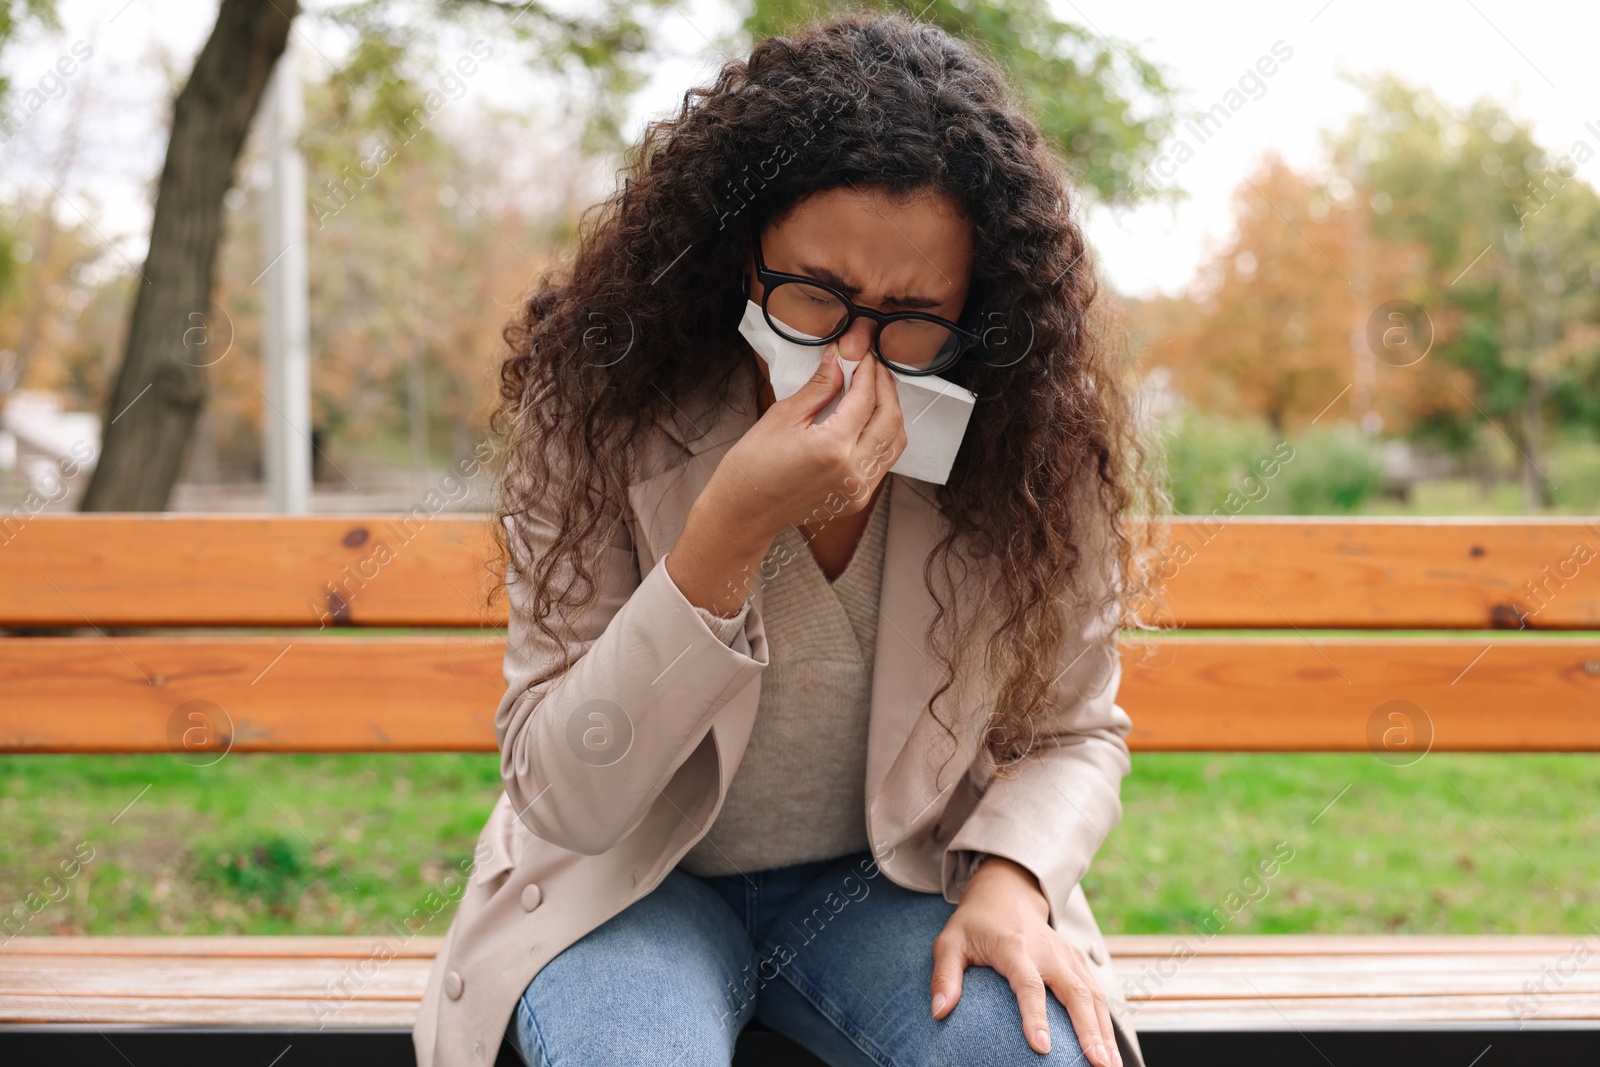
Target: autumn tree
(1512, 240)
(159, 393)
(414, 269)
(1277, 323)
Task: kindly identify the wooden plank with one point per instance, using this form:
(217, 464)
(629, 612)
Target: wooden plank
(199, 697)
(1248, 982)
(1379, 966)
(1429, 574)
(241, 978)
(206, 1011)
(1398, 698)
(374, 978)
(1266, 573)
(1361, 1013)
(1368, 979)
(419, 569)
(278, 946)
(1153, 1016)
(1290, 946)
(1266, 982)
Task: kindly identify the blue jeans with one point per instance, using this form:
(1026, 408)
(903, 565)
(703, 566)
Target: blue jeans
(830, 953)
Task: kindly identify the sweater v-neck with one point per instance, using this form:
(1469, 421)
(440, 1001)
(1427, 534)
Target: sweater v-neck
(851, 566)
(846, 625)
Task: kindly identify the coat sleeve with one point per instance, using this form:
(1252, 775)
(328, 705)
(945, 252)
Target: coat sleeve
(1065, 797)
(585, 750)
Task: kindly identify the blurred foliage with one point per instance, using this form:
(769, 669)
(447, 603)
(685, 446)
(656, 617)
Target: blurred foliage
(1241, 466)
(1335, 470)
(421, 240)
(1512, 237)
(17, 15)
(1107, 107)
(8, 262)
(1208, 457)
(415, 265)
(1491, 239)
(63, 318)
(270, 867)
(604, 50)
(1271, 326)
(1575, 469)
(1104, 105)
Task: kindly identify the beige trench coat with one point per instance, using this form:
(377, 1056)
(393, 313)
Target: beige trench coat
(576, 838)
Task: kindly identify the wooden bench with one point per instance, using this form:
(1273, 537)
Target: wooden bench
(1296, 635)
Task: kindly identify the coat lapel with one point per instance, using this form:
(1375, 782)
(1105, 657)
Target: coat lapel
(915, 795)
(903, 673)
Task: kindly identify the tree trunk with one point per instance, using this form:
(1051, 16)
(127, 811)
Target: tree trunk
(1531, 424)
(161, 387)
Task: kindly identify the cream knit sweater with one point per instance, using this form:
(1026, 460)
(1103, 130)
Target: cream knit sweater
(800, 791)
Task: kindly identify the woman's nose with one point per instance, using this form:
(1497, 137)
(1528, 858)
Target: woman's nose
(855, 344)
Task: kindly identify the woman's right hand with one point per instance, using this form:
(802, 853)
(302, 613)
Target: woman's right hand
(786, 470)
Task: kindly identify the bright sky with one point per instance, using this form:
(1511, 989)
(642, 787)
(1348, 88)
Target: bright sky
(1535, 59)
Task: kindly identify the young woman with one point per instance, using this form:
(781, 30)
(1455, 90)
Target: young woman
(810, 713)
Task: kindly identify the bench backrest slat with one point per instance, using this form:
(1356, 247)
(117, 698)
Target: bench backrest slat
(418, 570)
(226, 570)
(196, 696)
(326, 686)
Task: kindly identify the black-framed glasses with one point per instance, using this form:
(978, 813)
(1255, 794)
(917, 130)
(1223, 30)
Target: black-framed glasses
(812, 312)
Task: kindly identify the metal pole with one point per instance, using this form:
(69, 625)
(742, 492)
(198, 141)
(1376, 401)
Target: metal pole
(286, 419)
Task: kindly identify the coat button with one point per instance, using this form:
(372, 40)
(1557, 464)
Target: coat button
(532, 895)
(1097, 953)
(453, 985)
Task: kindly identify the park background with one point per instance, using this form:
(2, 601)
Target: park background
(1367, 232)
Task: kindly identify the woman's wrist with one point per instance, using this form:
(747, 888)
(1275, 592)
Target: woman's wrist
(988, 869)
(716, 558)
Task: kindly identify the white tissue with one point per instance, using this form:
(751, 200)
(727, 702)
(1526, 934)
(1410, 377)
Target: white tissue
(935, 411)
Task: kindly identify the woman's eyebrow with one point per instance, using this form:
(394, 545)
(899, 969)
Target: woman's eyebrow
(824, 274)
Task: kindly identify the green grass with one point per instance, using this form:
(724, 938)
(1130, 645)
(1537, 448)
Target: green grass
(254, 844)
(350, 844)
(1465, 498)
(1456, 843)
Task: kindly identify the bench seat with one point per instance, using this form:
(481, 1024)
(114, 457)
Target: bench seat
(1265, 982)
(1233, 983)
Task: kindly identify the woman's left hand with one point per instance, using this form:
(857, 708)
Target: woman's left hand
(1003, 922)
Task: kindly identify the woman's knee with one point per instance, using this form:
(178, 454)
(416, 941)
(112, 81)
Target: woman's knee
(986, 1027)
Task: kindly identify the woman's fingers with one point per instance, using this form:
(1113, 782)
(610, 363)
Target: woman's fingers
(859, 400)
(1102, 1010)
(884, 437)
(1018, 967)
(949, 964)
(1086, 1006)
(1032, 980)
(820, 388)
(888, 394)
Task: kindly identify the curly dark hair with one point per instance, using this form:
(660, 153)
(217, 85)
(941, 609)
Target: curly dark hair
(878, 102)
